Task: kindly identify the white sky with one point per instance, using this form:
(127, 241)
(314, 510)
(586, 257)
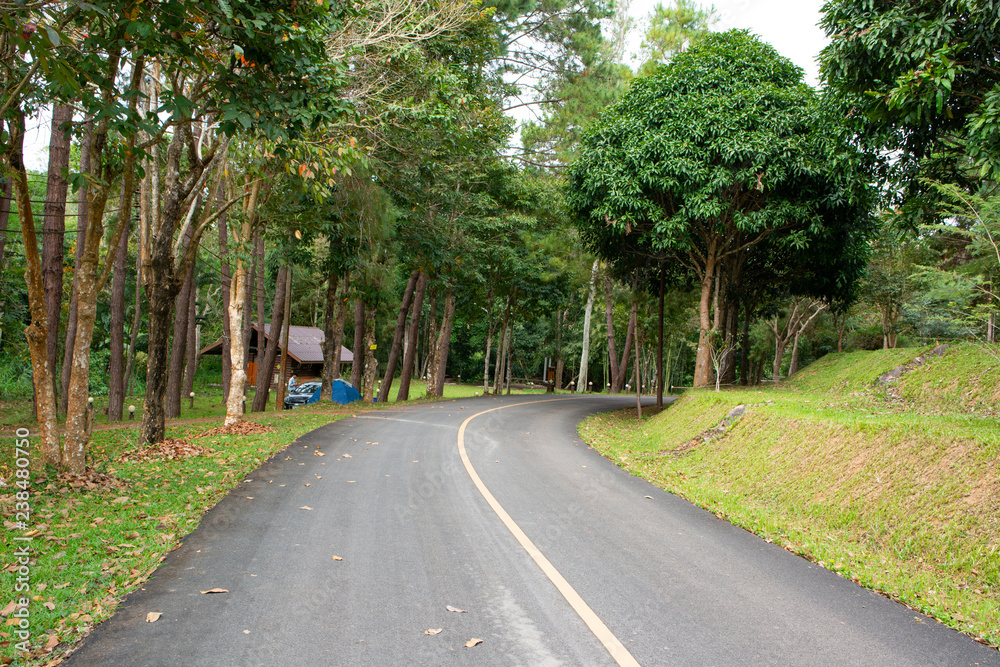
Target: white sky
(787, 25)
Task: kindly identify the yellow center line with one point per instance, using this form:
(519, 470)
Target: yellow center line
(596, 625)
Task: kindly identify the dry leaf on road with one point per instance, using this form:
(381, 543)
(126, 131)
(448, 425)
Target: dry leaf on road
(214, 590)
(153, 616)
(472, 642)
(318, 454)
(347, 456)
(433, 631)
(455, 609)
(305, 507)
(337, 558)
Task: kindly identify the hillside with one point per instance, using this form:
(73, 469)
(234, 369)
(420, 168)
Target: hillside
(891, 483)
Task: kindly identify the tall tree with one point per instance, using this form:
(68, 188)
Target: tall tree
(719, 151)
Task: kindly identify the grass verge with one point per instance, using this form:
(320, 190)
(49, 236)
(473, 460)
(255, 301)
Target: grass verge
(904, 503)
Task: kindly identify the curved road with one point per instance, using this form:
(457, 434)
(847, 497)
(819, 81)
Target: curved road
(643, 577)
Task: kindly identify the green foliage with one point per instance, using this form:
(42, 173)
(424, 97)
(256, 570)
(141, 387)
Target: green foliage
(723, 149)
(923, 73)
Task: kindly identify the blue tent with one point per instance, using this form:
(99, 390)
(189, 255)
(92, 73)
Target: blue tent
(344, 392)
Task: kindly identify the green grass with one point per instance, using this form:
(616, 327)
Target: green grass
(851, 371)
(900, 501)
(90, 548)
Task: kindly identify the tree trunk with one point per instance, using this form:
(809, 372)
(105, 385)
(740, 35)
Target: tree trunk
(369, 354)
(225, 280)
(134, 331)
(329, 323)
(794, 366)
(90, 282)
(83, 217)
(503, 346)
(430, 354)
(618, 381)
(267, 358)
(779, 352)
(235, 314)
(257, 275)
(745, 347)
(6, 192)
(557, 383)
(192, 343)
(609, 304)
(116, 335)
(703, 362)
(444, 342)
(54, 227)
(397, 338)
(358, 367)
(585, 349)
(409, 356)
(279, 403)
(178, 348)
(36, 332)
(659, 340)
(638, 380)
(490, 327)
(338, 329)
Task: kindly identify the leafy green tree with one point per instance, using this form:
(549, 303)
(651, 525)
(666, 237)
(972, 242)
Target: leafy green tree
(924, 76)
(721, 151)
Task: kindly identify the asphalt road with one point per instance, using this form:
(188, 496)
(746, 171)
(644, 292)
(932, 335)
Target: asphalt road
(391, 496)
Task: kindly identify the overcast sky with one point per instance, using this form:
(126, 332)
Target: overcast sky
(787, 25)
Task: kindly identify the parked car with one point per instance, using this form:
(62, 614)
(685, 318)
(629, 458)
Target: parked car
(302, 394)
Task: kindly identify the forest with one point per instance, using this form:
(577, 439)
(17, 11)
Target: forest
(706, 219)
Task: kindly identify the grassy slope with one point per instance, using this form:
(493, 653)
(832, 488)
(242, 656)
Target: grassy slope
(90, 548)
(901, 495)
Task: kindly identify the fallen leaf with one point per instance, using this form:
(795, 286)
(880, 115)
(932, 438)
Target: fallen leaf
(472, 642)
(249, 497)
(305, 507)
(650, 497)
(11, 606)
(49, 605)
(455, 609)
(433, 631)
(337, 558)
(153, 616)
(347, 456)
(246, 632)
(318, 454)
(52, 641)
(214, 590)
(307, 484)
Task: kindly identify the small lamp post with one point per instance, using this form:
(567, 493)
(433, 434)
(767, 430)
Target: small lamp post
(191, 395)
(131, 413)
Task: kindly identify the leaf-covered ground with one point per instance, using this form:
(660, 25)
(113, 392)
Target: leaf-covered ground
(896, 487)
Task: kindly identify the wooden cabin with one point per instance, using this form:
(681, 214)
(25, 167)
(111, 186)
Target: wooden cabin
(305, 353)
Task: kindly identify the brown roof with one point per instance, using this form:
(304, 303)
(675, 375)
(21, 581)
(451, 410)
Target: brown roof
(305, 345)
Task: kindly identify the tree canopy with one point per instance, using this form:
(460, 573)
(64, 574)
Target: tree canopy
(719, 151)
